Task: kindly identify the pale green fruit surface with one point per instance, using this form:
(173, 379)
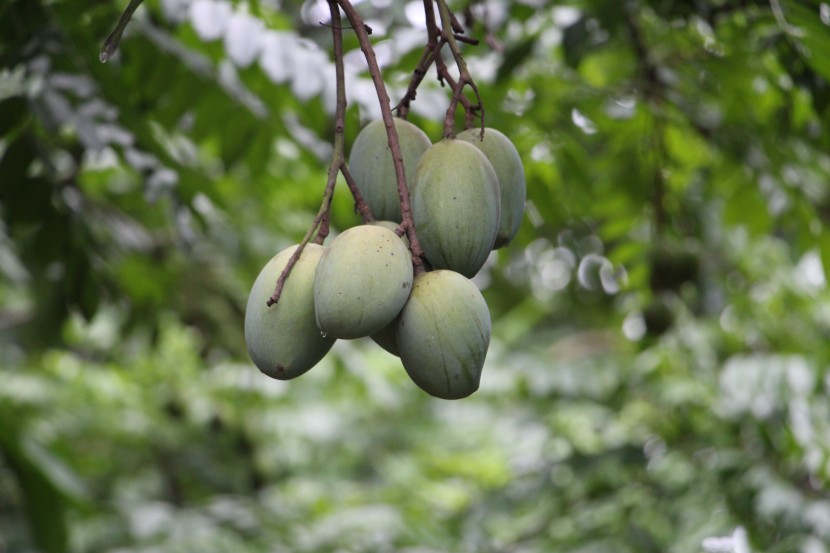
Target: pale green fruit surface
(456, 206)
(370, 162)
(443, 333)
(362, 282)
(507, 163)
(283, 340)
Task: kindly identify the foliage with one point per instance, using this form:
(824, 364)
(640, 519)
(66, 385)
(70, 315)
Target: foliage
(141, 197)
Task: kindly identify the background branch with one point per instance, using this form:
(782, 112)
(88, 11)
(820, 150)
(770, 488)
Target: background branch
(114, 38)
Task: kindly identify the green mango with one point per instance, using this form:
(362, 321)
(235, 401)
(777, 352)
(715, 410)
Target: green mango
(443, 333)
(370, 163)
(362, 282)
(456, 206)
(507, 163)
(283, 340)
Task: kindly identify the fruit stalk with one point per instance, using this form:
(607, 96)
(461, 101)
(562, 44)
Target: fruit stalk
(360, 204)
(362, 33)
(340, 117)
(325, 208)
(337, 155)
(320, 223)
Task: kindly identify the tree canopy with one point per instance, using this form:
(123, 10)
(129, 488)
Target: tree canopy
(657, 378)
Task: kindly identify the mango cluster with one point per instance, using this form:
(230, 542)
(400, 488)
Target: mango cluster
(467, 196)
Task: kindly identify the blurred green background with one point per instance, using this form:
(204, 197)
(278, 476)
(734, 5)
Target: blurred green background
(658, 375)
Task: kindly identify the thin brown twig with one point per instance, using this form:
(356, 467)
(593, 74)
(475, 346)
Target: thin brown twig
(430, 55)
(429, 16)
(432, 50)
(466, 39)
(325, 207)
(449, 22)
(360, 206)
(338, 159)
(427, 59)
(456, 26)
(470, 110)
(114, 38)
(320, 223)
(325, 223)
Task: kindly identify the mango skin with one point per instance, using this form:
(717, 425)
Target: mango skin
(362, 282)
(443, 333)
(283, 340)
(456, 206)
(505, 159)
(370, 162)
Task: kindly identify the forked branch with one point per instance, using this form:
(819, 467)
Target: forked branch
(448, 24)
(436, 39)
